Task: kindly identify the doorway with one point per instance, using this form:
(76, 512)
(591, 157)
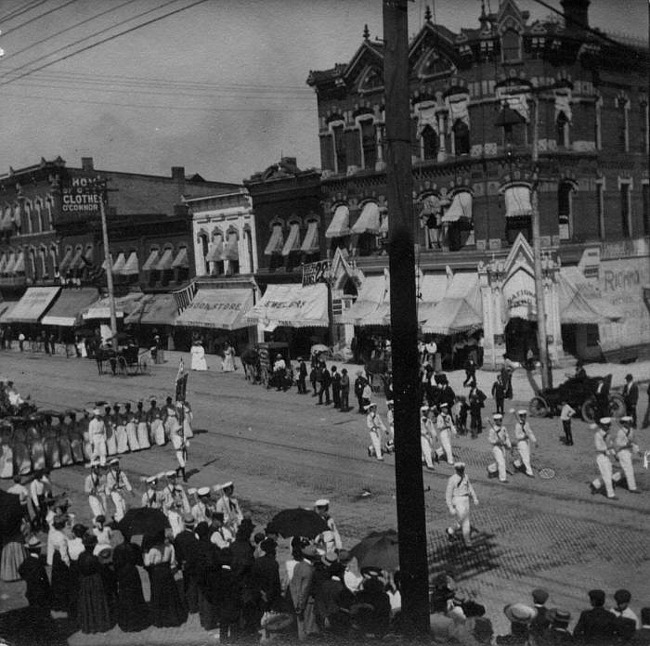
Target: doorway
(521, 335)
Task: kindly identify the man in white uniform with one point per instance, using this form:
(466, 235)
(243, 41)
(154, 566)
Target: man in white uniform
(377, 430)
(603, 446)
(445, 427)
(523, 437)
(97, 433)
(95, 488)
(428, 436)
(200, 509)
(500, 441)
(390, 418)
(625, 449)
(151, 497)
(116, 484)
(229, 507)
(330, 539)
(459, 491)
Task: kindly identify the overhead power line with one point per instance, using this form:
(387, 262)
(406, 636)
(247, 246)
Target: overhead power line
(35, 18)
(63, 31)
(10, 15)
(77, 42)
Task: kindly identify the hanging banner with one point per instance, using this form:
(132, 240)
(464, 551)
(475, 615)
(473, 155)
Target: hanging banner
(316, 272)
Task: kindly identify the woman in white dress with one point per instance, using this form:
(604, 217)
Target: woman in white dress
(142, 427)
(228, 363)
(109, 423)
(36, 444)
(131, 427)
(6, 453)
(75, 436)
(156, 427)
(21, 449)
(198, 356)
(121, 438)
(51, 444)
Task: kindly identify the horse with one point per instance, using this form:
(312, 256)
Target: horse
(250, 359)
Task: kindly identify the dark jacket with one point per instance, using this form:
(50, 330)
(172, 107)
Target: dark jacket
(302, 370)
(631, 394)
(325, 378)
(345, 383)
(184, 544)
(595, 626)
(359, 385)
(38, 593)
(265, 577)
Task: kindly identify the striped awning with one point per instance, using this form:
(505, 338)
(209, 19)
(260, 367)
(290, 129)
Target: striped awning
(215, 253)
(67, 309)
(517, 200)
(32, 305)
(119, 264)
(311, 244)
(293, 305)
(340, 224)
(131, 267)
(460, 208)
(181, 259)
(276, 241)
(166, 261)
(369, 220)
(19, 267)
(151, 261)
(293, 240)
(366, 309)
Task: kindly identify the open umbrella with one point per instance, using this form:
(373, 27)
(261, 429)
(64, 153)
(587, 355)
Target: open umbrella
(11, 514)
(379, 550)
(298, 522)
(318, 348)
(143, 521)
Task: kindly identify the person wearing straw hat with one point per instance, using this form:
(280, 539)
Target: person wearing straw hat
(557, 633)
(377, 430)
(500, 441)
(229, 506)
(459, 490)
(97, 433)
(121, 437)
(523, 437)
(116, 484)
(95, 489)
(142, 426)
(151, 497)
(428, 436)
(38, 591)
(200, 508)
(603, 446)
(625, 448)
(520, 616)
(445, 427)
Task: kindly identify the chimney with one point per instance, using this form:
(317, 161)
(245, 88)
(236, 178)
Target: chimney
(576, 14)
(87, 164)
(178, 173)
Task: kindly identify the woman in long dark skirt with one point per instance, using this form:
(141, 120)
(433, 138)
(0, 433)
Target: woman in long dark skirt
(204, 560)
(59, 559)
(166, 607)
(92, 611)
(132, 610)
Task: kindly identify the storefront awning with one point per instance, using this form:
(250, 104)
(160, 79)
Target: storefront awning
(124, 305)
(118, 265)
(460, 208)
(276, 241)
(154, 309)
(19, 267)
(131, 267)
(232, 247)
(65, 262)
(215, 253)
(6, 309)
(151, 261)
(33, 304)
(432, 290)
(11, 263)
(67, 309)
(364, 311)
(181, 259)
(579, 305)
(517, 200)
(311, 244)
(340, 224)
(218, 309)
(5, 220)
(166, 260)
(76, 263)
(460, 310)
(293, 305)
(293, 240)
(368, 221)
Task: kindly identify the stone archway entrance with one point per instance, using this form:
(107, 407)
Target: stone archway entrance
(520, 336)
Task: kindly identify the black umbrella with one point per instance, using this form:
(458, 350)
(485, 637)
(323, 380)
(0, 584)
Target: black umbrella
(11, 515)
(379, 550)
(143, 521)
(298, 522)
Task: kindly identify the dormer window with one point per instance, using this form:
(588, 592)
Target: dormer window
(510, 46)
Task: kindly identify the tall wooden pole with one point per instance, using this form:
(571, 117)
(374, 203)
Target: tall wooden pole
(109, 269)
(404, 325)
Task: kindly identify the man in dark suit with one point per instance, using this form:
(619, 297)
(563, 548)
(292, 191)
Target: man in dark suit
(596, 626)
(302, 376)
(336, 387)
(540, 622)
(265, 577)
(631, 397)
(642, 636)
(184, 544)
(325, 381)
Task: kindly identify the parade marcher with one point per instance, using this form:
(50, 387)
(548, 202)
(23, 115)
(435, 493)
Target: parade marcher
(51, 443)
(170, 418)
(500, 441)
(603, 445)
(151, 497)
(97, 432)
(75, 436)
(131, 427)
(523, 437)
(565, 417)
(142, 426)
(499, 394)
(116, 484)
(180, 443)
(359, 384)
(377, 430)
(625, 448)
(95, 488)
(428, 437)
(109, 424)
(83, 428)
(156, 427)
(336, 387)
(121, 436)
(188, 418)
(630, 397)
(302, 376)
(200, 508)
(445, 427)
(229, 507)
(330, 540)
(457, 496)
(34, 439)
(345, 391)
(65, 447)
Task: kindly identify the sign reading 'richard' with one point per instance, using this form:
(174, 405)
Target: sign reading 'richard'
(82, 195)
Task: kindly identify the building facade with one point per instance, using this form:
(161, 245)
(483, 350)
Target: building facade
(480, 99)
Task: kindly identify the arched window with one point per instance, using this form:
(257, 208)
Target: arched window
(564, 210)
(27, 224)
(369, 143)
(33, 265)
(461, 137)
(562, 130)
(204, 248)
(42, 258)
(510, 46)
(430, 143)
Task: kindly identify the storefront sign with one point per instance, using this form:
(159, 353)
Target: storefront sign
(83, 195)
(316, 272)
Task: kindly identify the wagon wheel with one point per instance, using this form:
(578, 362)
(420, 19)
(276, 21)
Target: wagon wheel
(538, 407)
(616, 406)
(122, 366)
(588, 410)
(143, 366)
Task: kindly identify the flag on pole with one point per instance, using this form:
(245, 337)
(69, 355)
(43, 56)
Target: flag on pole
(181, 382)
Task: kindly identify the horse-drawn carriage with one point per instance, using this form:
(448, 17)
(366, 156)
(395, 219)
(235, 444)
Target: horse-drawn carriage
(128, 360)
(258, 363)
(581, 394)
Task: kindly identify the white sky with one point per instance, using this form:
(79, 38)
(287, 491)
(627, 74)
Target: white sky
(219, 88)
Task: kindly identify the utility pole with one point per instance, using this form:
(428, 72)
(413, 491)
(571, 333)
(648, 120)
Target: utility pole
(542, 339)
(409, 484)
(109, 266)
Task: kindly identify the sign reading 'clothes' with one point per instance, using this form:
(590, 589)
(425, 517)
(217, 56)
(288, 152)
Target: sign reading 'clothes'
(83, 195)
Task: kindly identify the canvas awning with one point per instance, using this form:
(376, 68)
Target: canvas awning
(292, 242)
(65, 262)
(124, 305)
(11, 263)
(118, 265)
(579, 301)
(131, 267)
(365, 310)
(6, 309)
(293, 305)
(154, 309)
(166, 260)
(340, 224)
(215, 252)
(460, 208)
(151, 261)
(76, 263)
(276, 241)
(311, 244)
(19, 267)
(33, 304)
(368, 221)
(219, 309)
(460, 310)
(5, 220)
(232, 246)
(181, 259)
(517, 200)
(432, 290)
(67, 309)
